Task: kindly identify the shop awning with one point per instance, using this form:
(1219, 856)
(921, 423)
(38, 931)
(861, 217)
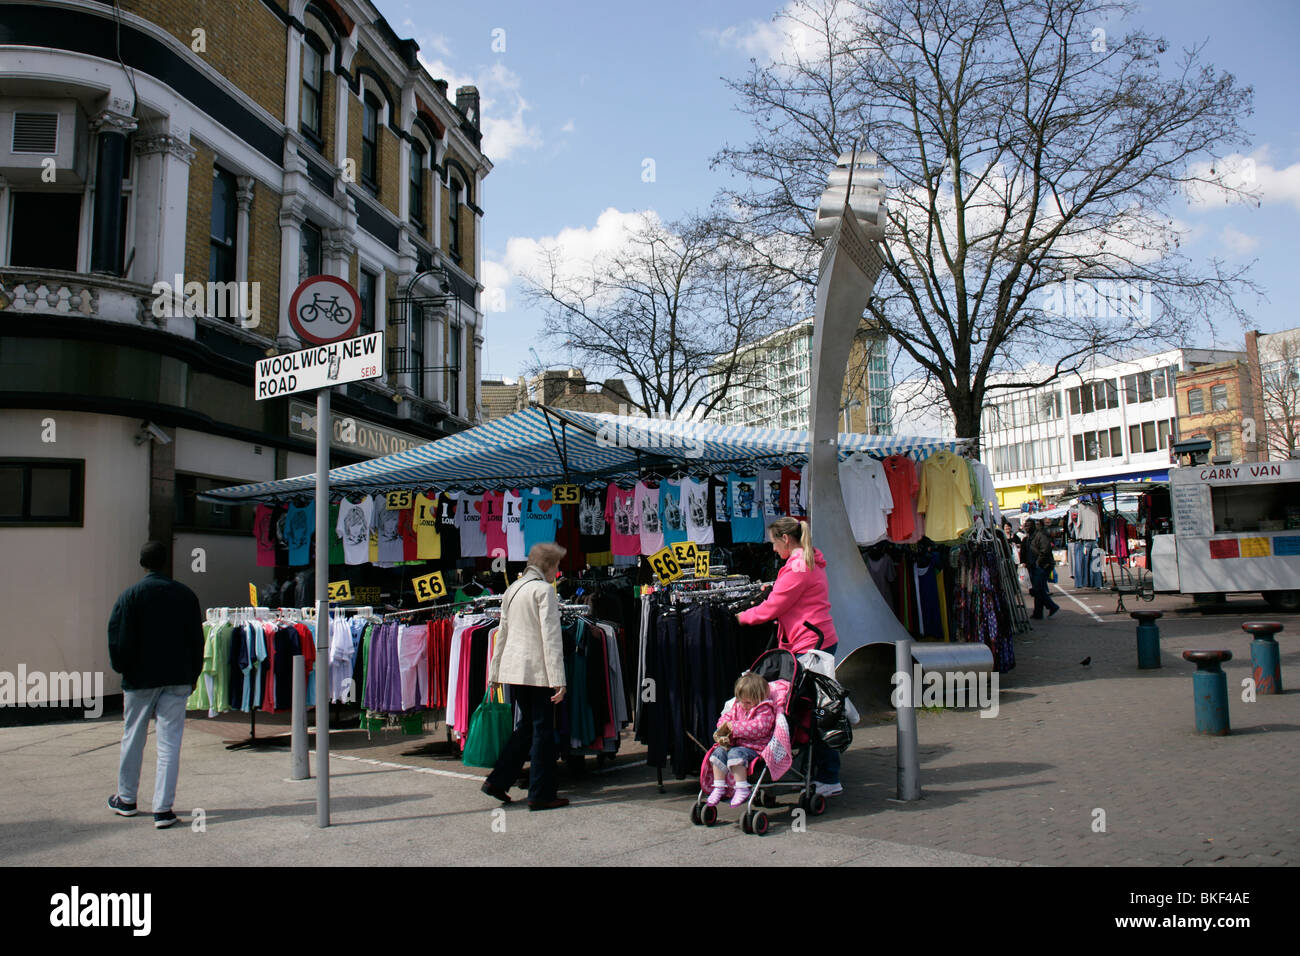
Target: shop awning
(553, 446)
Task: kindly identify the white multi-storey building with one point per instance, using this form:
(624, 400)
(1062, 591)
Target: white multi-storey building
(1111, 422)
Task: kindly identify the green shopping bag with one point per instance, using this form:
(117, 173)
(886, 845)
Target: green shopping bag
(489, 729)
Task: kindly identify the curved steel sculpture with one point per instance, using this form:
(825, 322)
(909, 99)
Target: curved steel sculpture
(850, 218)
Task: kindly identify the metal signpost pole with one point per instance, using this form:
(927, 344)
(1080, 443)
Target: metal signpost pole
(323, 433)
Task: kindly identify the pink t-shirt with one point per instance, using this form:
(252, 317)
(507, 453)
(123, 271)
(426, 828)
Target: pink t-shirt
(490, 521)
(620, 516)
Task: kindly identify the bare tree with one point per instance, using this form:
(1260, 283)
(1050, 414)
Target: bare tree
(673, 312)
(1032, 158)
(1280, 381)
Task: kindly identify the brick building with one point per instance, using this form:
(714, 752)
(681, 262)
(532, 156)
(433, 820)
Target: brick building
(1216, 402)
(234, 147)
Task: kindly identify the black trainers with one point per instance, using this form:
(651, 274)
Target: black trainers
(497, 794)
(121, 807)
(1052, 612)
(161, 821)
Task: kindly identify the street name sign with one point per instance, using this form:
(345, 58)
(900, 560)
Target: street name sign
(320, 366)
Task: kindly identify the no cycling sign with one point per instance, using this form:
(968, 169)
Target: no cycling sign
(324, 309)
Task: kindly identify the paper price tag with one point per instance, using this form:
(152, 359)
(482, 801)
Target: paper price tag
(565, 494)
(701, 564)
(340, 591)
(684, 552)
(252, 594)
(664, 564)
(430, 587)
(400, 500)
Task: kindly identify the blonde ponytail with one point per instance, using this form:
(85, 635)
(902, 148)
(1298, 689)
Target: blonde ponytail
(801, 532)
(805, 538)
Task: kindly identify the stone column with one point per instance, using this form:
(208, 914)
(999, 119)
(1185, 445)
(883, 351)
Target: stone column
(478, 376)
(111, 129)
(291, 220)
(161, 196)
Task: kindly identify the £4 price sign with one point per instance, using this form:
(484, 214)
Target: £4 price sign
(340, 591)
(430, 587)
(684, 552)
(665, 565)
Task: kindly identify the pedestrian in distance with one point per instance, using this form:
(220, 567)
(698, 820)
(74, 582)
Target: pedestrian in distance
(529, 657)
(1044, 561)
(155, 641)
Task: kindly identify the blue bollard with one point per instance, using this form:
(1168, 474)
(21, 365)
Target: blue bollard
(1265, 656)
(1148, 638)
(1210, 691)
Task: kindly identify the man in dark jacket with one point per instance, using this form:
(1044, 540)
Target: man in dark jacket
(155, 641)
(1040, 547)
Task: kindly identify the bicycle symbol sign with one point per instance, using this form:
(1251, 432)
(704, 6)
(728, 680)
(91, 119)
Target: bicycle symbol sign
(324, 309)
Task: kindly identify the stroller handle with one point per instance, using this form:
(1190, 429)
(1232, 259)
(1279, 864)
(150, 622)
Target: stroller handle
(812, 627)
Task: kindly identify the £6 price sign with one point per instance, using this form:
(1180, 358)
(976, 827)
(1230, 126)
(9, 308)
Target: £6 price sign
(665, 565)
(430, 587)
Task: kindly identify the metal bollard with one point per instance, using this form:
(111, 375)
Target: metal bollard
(1148, 638)
(1210, 691)
(1265, 656)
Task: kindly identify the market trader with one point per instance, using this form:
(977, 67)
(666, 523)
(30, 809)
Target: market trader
(155, 641)
(801, 593)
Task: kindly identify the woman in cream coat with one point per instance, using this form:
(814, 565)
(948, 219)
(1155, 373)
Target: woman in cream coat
(529, 656)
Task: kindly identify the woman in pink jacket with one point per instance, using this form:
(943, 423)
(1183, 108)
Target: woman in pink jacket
(800, 597)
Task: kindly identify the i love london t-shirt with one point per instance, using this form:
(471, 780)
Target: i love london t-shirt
(512, 521)
(490, 516)
(469, 519)
(541, 517)
(620, 514)
(428, 544)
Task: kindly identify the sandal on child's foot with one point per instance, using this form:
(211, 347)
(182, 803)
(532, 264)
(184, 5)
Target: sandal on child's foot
(741, 797)
(715, 796)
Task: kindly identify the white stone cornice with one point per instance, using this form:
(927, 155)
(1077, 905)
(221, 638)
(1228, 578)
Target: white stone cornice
(110, 121)
(165, 143)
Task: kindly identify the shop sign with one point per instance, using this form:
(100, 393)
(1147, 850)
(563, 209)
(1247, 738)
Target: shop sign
(349, 433)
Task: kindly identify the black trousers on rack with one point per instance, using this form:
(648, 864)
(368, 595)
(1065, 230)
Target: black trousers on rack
(533, 740)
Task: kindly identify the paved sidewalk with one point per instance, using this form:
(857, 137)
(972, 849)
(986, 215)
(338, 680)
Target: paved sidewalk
(1023, 787)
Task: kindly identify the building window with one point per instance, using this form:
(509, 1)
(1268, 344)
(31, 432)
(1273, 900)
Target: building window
(453, 373)
(1149, 436)
(42, 491)
(309, 263)
(1160, 381)
(417, 349)
(1106, 443)
(1223, 442)
(313, 85)
(367, 288)
(1219, 398)
(45, 230)
(417, 185)
(1195, 401)
(370, 142)
(1135, 439)
(1162, 432)
(453, 219)
(221, 248)
(193, 515)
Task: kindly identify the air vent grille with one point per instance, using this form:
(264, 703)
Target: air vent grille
(36, 133)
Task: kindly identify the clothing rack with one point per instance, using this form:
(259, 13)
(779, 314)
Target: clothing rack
(243, 616)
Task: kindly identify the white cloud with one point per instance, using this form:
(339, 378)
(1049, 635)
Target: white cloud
(1238, 178)
(506, 129)
(579, 247)
(567, 127)
(1238, 243)
(797, 32)
(496, 285)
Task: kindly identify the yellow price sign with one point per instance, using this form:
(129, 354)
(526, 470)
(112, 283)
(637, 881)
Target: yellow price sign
(400, 500)
(340, 591)
(252, 594)
(664, 564)
(701, 564)
(684, 552)
(565, 494)
(430, 587)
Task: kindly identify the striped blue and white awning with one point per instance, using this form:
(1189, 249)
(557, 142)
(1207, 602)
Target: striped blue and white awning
(551, 446)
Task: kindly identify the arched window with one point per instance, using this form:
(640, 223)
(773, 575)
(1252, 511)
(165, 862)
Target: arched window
(311, 113)
(453, 216)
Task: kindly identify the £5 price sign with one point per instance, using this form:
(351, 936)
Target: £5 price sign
(565, 494)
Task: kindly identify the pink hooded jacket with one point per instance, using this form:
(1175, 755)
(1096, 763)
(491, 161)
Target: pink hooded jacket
(800, 594)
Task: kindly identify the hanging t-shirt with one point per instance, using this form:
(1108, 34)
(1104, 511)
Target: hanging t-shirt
(720, 509)
(769, 486)
(866, 497)
(491, 513)
(670, 506)
(1089, 526)
(541, 517)
(746, 510)
(469, 522)
(567, 537)
(424, 521)
(354, 528)
(385, 521)
(593, 530)
(281, 541)
(336, 543)
(884, 572)
(695, 506)
(903, 486)
(984, 494)
(264, 532)
(512, 507)
(792, 492)
(620, 515)
(945, 497)
(648, 518)
(299, 523)
(448, 530)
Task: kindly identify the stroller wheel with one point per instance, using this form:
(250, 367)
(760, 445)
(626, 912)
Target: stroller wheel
(708, 815)
(745, 824)
(759, 824)
(817, 805)
(695, 814)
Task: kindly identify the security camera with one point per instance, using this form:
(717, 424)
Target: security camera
(149, 430)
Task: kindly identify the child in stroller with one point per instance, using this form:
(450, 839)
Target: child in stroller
(744, 729)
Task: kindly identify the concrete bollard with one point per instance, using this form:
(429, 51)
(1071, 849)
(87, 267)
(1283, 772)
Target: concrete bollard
(1210, 691)
(1148, 638)
(1265, 656)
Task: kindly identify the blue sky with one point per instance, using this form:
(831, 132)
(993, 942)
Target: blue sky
(584, 93)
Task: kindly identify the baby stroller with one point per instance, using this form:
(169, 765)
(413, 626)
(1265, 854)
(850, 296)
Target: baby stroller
(796, 697)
